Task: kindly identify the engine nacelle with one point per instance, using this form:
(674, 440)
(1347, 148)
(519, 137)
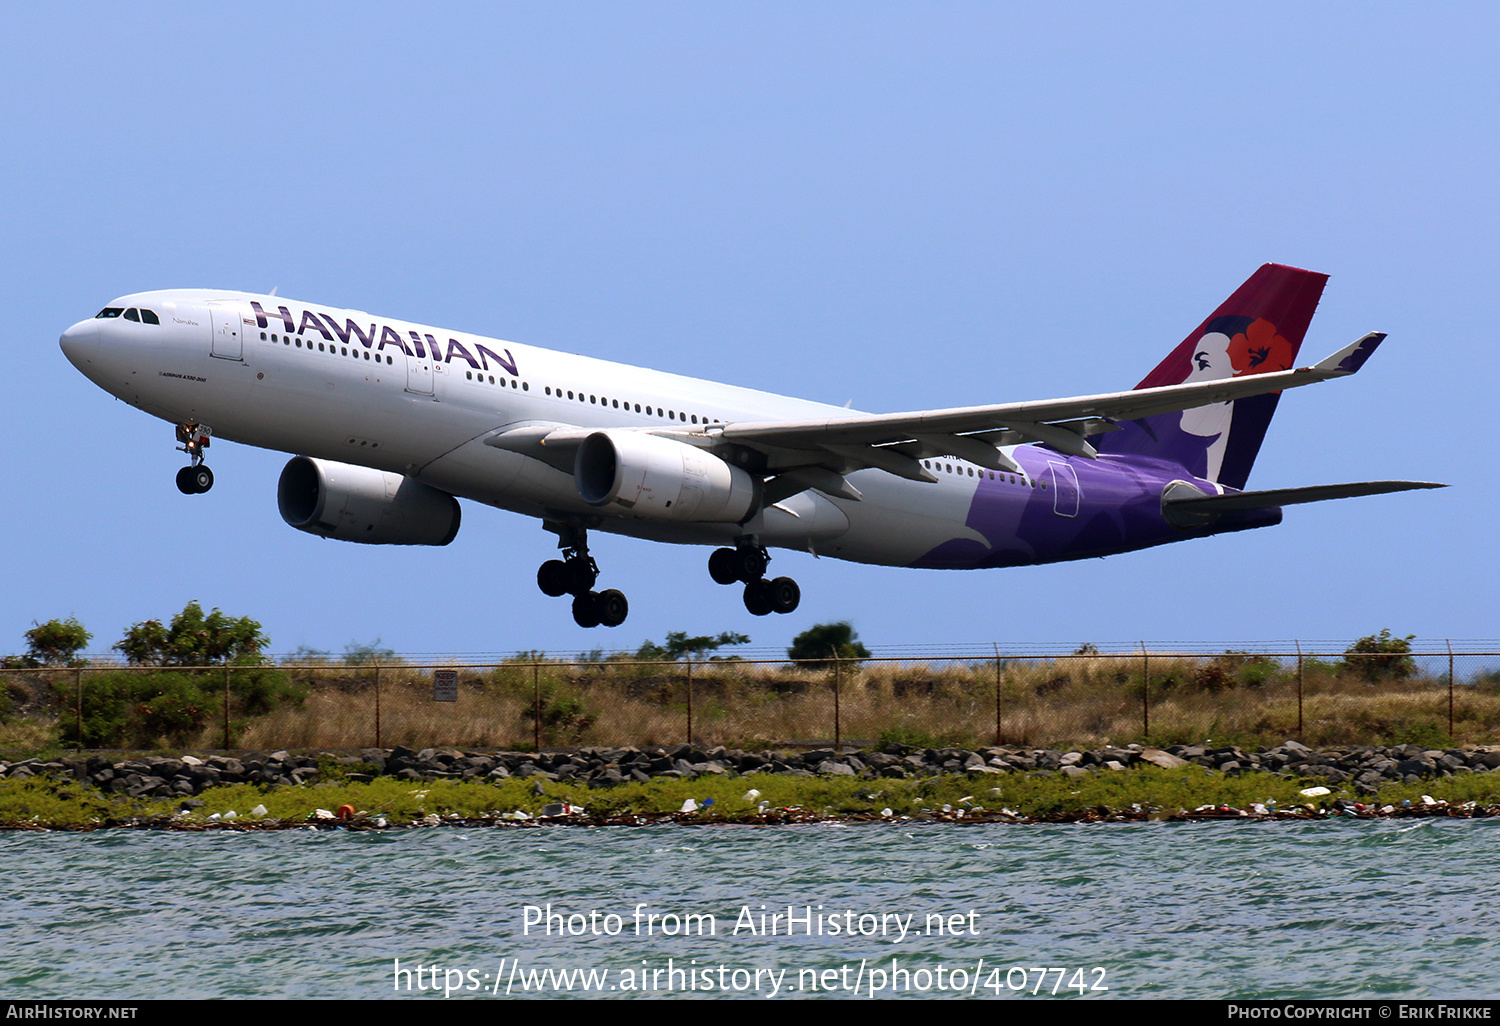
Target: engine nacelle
(336, 500)
(655, 478)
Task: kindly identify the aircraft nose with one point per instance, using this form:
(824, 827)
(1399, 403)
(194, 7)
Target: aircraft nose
(79, 340)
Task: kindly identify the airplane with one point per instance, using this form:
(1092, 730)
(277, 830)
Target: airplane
(390, 422)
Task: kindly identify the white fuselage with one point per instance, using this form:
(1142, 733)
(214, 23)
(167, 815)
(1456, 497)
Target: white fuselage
(346, 386)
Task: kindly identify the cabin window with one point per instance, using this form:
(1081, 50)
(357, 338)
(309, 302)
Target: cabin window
(263, 336)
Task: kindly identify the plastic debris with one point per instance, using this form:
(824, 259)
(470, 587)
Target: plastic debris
(752, 794)
(689, 806)
(258, 811)
(1313, 792)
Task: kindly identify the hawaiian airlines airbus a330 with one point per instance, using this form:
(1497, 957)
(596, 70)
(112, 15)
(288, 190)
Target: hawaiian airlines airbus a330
(389, 422)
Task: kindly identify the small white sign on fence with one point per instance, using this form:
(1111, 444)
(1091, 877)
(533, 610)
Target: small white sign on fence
(445, 686)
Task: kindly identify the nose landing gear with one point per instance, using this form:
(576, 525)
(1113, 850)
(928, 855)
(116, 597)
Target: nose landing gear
(575, 575)
(195, 478)
(747, 562)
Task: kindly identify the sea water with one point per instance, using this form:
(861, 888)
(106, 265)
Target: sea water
(1331, 909)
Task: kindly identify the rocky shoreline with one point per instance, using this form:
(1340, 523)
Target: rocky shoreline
(1361, 770)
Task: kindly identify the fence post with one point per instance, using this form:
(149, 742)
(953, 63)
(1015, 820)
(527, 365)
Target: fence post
(226, 707)
(1451, 739)
(1299, 690)
(837, 735)
(1145, 694)
(690, 700)
(377, 706)
(536, 705)
(999, 733)
(78, 690)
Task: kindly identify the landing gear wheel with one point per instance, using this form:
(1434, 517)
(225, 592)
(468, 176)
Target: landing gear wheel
(202, 477)
(553, 578)
(784, 595)
(758, 597)
(612, 607)
(586, 609)
(752, 561)
(581, 575)
(724, 566)
(185, 483)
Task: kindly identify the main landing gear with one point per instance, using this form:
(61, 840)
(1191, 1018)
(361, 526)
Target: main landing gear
(196, 477)
(747, 562)
(575, 575)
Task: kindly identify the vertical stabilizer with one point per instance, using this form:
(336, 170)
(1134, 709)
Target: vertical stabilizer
(1257, 329)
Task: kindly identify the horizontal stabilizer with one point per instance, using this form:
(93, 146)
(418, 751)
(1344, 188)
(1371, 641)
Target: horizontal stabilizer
(1292, 496)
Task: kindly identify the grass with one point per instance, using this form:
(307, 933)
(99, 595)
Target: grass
(1062, 702)
(39, 803)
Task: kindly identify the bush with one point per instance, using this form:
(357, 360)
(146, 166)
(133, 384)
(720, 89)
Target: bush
(54, 643)
(564, 715)
(817, 647)
(166, 708)
(1380, 657)
(193, 639)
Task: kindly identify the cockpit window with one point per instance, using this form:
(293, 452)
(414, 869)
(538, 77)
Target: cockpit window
(131, 315)
(108, 312)
(149, 316)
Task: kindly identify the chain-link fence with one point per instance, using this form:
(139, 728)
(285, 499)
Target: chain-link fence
(1084, 699)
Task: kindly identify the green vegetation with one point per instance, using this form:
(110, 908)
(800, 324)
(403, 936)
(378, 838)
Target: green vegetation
(193, 639)
(38, 802)
(51, 644)
(163, 702)
(370, 697)
(1380, 657)
(678, 644)
(816, 647)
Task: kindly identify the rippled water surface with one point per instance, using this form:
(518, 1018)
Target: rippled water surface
(1317, 910)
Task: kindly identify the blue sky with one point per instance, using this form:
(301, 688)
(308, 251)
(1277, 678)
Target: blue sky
(904, 206)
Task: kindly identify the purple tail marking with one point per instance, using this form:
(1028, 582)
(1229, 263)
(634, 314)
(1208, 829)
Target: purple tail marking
(1258, 329)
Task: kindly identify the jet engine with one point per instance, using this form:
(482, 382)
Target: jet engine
(656, 478)
(336, 500)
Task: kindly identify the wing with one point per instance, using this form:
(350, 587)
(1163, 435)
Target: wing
(798, 455)
(816, 453)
